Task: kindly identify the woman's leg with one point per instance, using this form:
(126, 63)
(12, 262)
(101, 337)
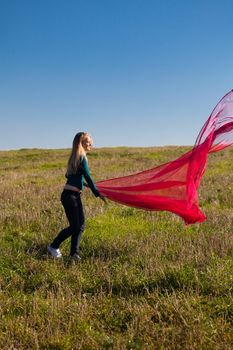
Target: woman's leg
(78, 225)
(74, 211)
(68, 202)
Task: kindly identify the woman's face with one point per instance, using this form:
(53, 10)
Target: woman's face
(87, 144)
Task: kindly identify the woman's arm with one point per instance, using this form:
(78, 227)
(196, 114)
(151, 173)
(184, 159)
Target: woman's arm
(88, 178)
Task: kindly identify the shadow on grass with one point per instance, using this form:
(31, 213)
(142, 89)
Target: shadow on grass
(106, 253)
(182, 279)
(38, 251)
(161, 285)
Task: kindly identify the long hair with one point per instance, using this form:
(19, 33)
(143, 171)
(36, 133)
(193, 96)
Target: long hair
(76, 153)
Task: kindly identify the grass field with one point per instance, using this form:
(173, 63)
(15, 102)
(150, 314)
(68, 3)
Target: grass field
(146, 281)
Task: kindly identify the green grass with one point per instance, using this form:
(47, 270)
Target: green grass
(146, 281)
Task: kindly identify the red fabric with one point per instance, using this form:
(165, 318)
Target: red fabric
(173, 186)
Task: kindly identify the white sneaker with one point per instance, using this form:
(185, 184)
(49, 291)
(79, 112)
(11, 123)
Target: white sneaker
(54, 252)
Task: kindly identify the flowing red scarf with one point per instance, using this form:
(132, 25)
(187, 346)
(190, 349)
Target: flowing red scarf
(173, 186)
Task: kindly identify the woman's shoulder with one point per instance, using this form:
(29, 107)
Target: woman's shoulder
(83, 159)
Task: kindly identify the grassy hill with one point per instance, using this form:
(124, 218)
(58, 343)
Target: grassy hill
(146, 281)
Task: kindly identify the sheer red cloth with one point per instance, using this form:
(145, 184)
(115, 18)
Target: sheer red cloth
(173, 186)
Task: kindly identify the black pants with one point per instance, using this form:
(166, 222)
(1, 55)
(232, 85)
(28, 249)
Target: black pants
(72, 204)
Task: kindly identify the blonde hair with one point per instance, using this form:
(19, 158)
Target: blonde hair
(77, 152)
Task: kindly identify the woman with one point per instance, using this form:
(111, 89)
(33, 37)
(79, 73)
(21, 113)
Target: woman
(77, 170)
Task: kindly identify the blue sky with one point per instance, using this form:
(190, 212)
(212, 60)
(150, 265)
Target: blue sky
(131, 73)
